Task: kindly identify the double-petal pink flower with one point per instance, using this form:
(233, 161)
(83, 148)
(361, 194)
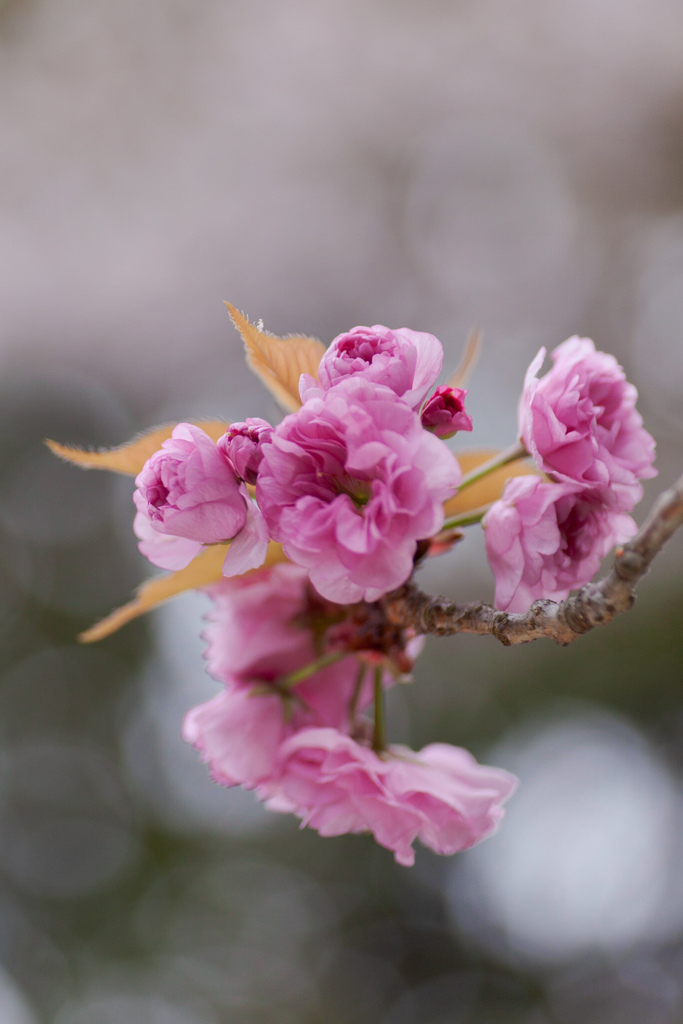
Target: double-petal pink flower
(546, 539)
(259, 631)
(297, 747)
(349, 484)
(439, 795)
(408, 362)
(579, 422)
(262, 627)
(336, 785)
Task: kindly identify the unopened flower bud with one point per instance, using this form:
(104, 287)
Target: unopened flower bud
(444, 412)
(242, 444)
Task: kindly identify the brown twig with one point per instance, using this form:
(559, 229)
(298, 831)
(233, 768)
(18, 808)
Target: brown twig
(594, 605)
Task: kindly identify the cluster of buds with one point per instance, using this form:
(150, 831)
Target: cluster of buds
(299, 531)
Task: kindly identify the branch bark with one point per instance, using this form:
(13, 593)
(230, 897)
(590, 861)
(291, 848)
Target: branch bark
(594, 605)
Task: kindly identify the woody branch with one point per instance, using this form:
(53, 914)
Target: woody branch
(595, 604)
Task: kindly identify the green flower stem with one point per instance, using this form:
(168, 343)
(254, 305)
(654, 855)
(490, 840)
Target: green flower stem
(379, 740)
(466, 519)
(517, 451)
(309, 670)
(360, 678)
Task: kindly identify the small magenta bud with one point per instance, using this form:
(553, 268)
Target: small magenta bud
(444, 412)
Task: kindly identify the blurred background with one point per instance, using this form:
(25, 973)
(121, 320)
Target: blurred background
(512, 165)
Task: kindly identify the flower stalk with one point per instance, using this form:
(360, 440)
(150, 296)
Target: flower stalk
(512, 454)
(357, 690)
(379, 738)
(466, 519)
(294, 678)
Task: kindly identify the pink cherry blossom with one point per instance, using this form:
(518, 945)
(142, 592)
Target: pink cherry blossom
(242, 445)
(349, 484)
(440, 795)
(238, 734)
(302, 748)
(406, 361)
(545, 539)
(249, 547)
(162, 550)
(257, 627)
(444, 412)
(580, 424)
(188, 495)
(264, 626)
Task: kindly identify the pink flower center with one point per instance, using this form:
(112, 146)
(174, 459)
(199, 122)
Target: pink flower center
(359, 491)
(360, 346)
(157, 494)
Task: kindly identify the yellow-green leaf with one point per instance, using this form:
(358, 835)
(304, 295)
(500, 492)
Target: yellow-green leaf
(130, 457)
(490, 487)
(279, 362)
(202, 571)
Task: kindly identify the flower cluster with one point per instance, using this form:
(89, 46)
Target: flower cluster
(299, 531)
(348, 485)
(579, 423)
(300, 740)
(189, 494)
